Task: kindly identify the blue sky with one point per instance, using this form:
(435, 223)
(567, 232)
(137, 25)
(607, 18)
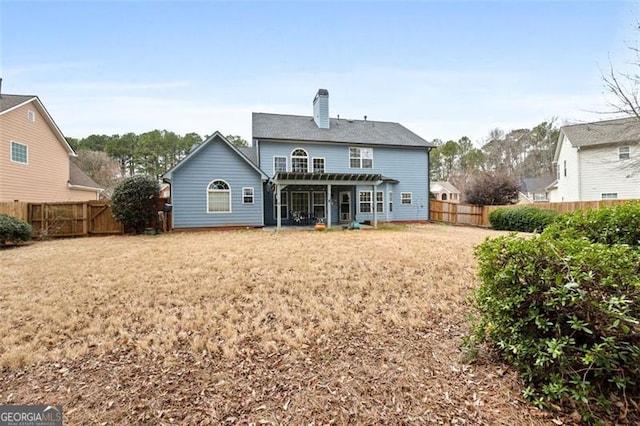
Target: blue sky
(443, 69)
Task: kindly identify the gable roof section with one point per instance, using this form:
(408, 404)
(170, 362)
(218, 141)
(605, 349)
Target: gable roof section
(78, 178)
(536, 184)
(11, 102)
(623, 130)
(445, 185)
(210, 139)
(303, 128)
(250, 152)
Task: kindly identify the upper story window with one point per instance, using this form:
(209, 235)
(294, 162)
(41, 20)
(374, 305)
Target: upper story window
(318, 165)
(361, 158)
(564, 165)
(19, 153)
(218, 197)
(623, 153)
(31, 116)
(299, 160)
(279, 164)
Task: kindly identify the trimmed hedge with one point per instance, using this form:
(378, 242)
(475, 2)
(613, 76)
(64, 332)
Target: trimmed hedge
(521, 219)
(563, 308)
(13, 230)
(619, 224)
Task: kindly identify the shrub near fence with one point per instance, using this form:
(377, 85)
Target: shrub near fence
(467, 214)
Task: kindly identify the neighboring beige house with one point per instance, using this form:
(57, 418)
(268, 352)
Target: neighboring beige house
(444, 191)
(597, 161)
(34, 156)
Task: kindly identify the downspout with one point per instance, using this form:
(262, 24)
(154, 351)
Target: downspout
(579, 175)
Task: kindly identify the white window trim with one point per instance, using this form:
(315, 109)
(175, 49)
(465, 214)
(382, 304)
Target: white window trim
(324, 164)
(11, 152)
(31, 116)
(370, 202)
(299, 156)
(323, 204)
(230, 198)
(402, 198)
(609, 196)
(286, 163)
(253, 194)
(390, 201)
(381, 202)
(627, 153)
(361, 158)
(285, 196)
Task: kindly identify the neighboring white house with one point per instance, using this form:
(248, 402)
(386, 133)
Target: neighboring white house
(444, 191)
(597, 161)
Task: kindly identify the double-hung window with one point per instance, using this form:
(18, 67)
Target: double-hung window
(318, 165)
(361, 158)
(279, 164)
(247, 195)
(623, 153)
(365, 202)
(380, 201)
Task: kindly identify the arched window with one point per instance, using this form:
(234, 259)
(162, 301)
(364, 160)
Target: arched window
(299, 160)
(444, 196)
(218, 197)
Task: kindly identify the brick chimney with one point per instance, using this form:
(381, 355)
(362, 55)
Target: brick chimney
(321, 109)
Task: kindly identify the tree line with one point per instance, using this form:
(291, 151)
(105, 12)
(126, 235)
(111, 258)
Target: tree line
(108, 158)
(510, 157)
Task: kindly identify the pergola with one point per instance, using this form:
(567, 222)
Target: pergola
(284, 179)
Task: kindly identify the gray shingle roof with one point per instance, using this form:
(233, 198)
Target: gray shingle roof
(80, 178)
(303, 128)
(603, 132)
(9, 101)
(535, 185)
(250, 153)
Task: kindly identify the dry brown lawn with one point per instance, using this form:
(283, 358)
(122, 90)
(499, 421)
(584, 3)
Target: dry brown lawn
(252, 327)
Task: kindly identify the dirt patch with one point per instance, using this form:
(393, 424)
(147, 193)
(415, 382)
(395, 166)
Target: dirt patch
(252, 327)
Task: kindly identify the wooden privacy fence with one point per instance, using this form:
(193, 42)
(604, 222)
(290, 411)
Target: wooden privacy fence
(18, 209)
(467, 214)
(75, 218)
(456, 213)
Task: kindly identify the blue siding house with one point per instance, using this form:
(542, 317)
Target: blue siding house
(305, 169)
(217, 184)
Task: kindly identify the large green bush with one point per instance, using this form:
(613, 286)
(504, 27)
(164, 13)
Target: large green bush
(521, 219)
(564, 309)
(135, 202)
(565, 313)
(619, 224)
(13, 230)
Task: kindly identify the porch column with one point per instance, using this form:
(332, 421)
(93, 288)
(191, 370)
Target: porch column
(328, 201)
(374, 201)
(279, 205)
